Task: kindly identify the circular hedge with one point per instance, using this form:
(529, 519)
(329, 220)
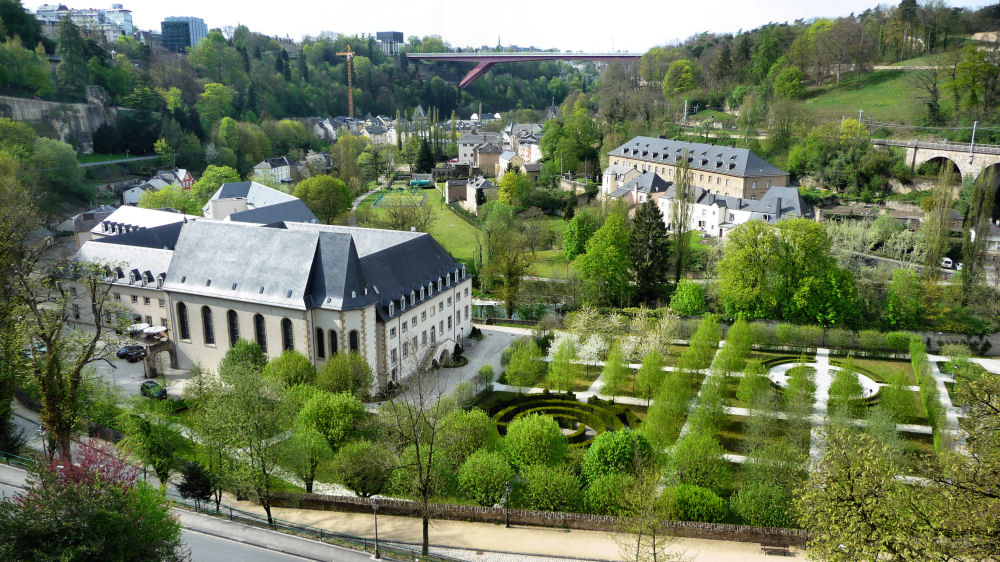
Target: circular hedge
(570, 414)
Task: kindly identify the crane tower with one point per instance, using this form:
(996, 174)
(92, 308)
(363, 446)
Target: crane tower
(350, 71)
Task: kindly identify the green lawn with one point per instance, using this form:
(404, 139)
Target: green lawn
(451, 231)
(885, 95)
(881, 370)
(927, 60)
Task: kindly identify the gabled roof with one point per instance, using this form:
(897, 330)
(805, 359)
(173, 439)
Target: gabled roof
(291, 211)
(507, 155)
(481, 183)
(158, 237)
(648, 182)
(489, 148)
(702, 157)
(148, 263)
(271, 163)
(257, 195)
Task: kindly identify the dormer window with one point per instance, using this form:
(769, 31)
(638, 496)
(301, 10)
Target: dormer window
(448, 281)
(392, 308)
(208, 282)
(413, 298)
(423, 293)
(440, 285)
(402, 304)
(184, 278)
(160, 279)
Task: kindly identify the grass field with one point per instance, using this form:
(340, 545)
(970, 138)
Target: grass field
(406, 197)
(885, 95)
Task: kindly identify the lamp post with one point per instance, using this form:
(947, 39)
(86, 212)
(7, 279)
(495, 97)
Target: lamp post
(375, 512)
(506, 501)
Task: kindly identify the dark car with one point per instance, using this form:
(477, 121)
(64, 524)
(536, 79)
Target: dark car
(151, 389)
(132, 353)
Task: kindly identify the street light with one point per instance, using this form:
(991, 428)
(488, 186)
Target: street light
(375, 512)
(506, 501)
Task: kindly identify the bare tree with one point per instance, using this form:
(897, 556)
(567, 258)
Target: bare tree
(414, 423)
(977, 228)
(927, 83)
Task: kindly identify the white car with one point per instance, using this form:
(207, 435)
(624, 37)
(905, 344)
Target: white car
(958, 266)
(947, 263)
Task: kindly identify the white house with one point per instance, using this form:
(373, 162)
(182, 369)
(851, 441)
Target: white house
(276, 169)
(132, 195)
(248, 201)
(468, 143)
(715, 215)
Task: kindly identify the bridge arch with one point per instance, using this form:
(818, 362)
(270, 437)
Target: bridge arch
(927, 157)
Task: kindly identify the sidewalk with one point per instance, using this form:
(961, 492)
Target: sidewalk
(516, 541)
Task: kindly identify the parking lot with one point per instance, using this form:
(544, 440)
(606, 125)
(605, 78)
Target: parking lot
(128, 376)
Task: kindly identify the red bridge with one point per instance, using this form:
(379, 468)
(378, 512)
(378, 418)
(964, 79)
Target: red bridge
(486, 60)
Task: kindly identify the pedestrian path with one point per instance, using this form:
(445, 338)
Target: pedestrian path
(823, 380)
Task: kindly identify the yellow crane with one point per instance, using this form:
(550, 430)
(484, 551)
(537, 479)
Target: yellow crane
(350, 71)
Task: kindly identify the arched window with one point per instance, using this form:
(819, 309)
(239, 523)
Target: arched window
(207, 325)
(287, 343)
(260, 331)
(334, 341)
(353, 343)
(320, 348)
(234, 327)
(182, 321)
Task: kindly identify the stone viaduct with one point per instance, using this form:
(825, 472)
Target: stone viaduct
(971, 160)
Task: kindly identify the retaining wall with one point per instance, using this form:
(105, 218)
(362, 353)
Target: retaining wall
(582, 521)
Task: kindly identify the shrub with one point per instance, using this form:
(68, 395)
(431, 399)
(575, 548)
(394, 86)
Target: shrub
(534, 439)
(897, 341)
(841, 338)
(242, 352)
(465, 394)
(484, 378)
(785, 334)
(807, 336)
(871, 340)
(762, 504)
(483, 475)
(686, 502)
(846, 393)
(613, 452)
(688, 299)
(698, 459)
(549, 488)
(291, 368)
(363, 467)
(608, 495)
(525, 367)
(347, 372)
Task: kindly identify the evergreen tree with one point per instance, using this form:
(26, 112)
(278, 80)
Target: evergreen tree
(425, 160)
(650, 249)
(73, 73)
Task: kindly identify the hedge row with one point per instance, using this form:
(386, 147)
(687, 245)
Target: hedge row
(929, 394)
(596, 414)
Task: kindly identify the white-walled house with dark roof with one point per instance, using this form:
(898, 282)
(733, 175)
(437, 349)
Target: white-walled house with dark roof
(715, 215)
(397, 298)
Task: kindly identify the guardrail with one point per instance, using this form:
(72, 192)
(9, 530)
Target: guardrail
(15, 460)
(942, 145)
(354, 542)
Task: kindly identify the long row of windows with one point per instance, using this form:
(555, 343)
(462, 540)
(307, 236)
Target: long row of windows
(353, 342)
(233, 323)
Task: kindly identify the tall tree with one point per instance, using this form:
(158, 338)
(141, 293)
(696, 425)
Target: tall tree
(72, 73)
(937, 226)
(977, 227)
(680, 214)
(650, 249)
(605, 265)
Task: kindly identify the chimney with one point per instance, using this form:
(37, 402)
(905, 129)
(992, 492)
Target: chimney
(777, 210)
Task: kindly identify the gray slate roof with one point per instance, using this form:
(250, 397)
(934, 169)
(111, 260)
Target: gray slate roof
(791, 203)
(702, 157)
(292, 211)
(648, 182)
(158, 237)
(256, 194)
(301, 265)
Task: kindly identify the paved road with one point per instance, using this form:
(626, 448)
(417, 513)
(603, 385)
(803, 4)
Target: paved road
(352, 220)
(118, 161)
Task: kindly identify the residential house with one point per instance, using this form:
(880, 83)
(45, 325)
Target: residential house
(528, 149)
(479, 189)
(615, 177)
(177, 176)
(468, 143)
(514, 132)
(721, 170)
(715, 215)
(248, 201)
(455, 190)
(82, 223)
(279, 170)
(486, 157)
(397, 298)
(506, 159)
(378, 134)
(532, 170)
(132, 195)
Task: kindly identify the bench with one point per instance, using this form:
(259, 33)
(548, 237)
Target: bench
(775, 548)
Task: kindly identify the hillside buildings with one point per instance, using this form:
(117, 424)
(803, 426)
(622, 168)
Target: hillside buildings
(389, 41)
(181, 33)
(101, 24)
(730, 186)
(721, 170)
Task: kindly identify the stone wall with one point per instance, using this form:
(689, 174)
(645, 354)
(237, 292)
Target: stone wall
(74, 123)
(583, 521)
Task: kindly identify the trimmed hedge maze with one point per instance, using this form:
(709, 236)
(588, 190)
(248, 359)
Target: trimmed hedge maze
(597, 415)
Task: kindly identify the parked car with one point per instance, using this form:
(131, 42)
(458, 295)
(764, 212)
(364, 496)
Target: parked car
(947, 263)
(132, 353)
(36, 348)
(152, 389)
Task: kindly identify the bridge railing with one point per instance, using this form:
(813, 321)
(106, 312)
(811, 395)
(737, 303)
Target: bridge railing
(941, 145)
